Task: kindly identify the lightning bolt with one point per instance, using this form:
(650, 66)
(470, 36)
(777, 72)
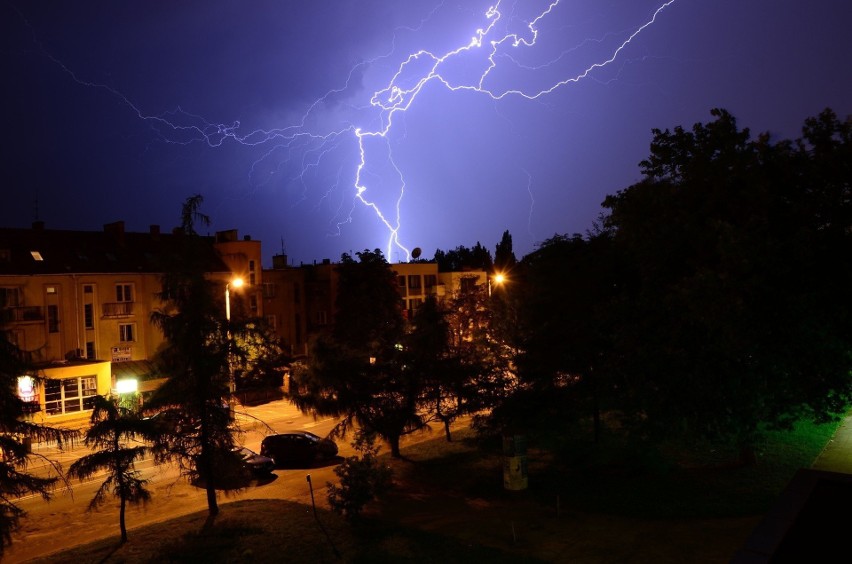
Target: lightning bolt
(492, 47)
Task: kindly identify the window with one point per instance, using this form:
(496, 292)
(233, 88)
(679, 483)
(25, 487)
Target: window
(10, 297)
(253, 303)
(272, 321)
(322, 318)
(89, 316)
(297, 294)
(70, 395)
(88, 289)
(127, 332)
(414, 283)
(90, 349)
(124, 292)
(268, 290)
(468, 283)
(5, 255)
(53, 319)
(298, 320)
(51, 289)
(430, 281)
(251, 273)
(36, 256)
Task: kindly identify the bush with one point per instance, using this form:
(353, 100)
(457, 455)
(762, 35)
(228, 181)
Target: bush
(362, 478)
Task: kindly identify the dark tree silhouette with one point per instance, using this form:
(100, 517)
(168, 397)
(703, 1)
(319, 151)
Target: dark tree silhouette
(737, 313)
(357, 371)
(196, 358)
(16, 436)
(112, 428)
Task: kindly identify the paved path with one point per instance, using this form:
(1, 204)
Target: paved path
(837, 454)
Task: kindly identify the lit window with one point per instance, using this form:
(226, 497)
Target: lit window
(70, 395)
(36, 255)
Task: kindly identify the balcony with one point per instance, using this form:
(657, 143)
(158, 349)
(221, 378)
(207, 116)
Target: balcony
(118, 309)
(21, 314)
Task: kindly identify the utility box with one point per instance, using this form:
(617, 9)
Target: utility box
(515, 462)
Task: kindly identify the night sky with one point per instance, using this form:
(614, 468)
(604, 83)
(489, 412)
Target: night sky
(120, 110)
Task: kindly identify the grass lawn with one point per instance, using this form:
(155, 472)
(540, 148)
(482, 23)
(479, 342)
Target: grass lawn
(634, 503)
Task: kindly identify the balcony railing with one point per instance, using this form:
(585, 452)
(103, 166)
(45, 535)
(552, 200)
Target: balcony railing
(117, 309)
(21, 314)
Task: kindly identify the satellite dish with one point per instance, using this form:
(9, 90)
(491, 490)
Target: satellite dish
(415, 254)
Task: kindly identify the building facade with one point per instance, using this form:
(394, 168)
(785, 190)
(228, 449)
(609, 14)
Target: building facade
(78, 306)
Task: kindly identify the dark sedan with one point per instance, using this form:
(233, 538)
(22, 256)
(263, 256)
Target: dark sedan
(257, 464)
(300, 448)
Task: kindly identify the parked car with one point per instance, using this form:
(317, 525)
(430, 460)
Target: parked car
(298, 448)
(257, 464)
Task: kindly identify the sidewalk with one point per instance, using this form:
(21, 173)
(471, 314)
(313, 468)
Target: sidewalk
(809, 522)
(837, 454)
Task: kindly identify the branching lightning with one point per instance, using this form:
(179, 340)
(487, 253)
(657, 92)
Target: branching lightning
(494, 45)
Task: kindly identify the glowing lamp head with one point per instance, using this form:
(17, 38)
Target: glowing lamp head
(126, 386)
(237, 282)
(499, 278)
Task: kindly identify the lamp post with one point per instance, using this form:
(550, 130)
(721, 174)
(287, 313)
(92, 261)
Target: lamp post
(498, 280)
(232, 383)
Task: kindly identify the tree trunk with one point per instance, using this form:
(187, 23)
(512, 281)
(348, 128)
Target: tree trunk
(121, 523)
(394, 444)
(212, 504)
(447, 430)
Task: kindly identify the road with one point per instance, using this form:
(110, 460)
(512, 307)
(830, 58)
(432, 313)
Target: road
(65, 520)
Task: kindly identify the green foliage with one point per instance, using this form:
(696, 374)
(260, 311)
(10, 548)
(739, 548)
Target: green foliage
(259, 357)
(362, 478)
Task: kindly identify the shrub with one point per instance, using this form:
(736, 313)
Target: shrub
(362, 478)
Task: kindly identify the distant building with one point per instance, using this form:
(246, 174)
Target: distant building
(78, 306)
(299, 301)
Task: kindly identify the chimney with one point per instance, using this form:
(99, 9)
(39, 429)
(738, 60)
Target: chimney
(116, 229)
(279, 262)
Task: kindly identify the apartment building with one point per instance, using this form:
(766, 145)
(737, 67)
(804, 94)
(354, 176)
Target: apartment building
(78, 306)
(300, 300)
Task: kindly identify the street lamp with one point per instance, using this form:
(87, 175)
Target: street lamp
(499, 278)
(236, 282)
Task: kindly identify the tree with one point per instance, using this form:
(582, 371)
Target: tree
(16, 436)
(736, 311)
(112, 426)
(259, 357)
(462, 258)
(196, 356)
(362, 478)
(504, 256)
(564, 297)
(357, 371)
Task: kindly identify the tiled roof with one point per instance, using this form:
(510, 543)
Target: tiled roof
(47, 251)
